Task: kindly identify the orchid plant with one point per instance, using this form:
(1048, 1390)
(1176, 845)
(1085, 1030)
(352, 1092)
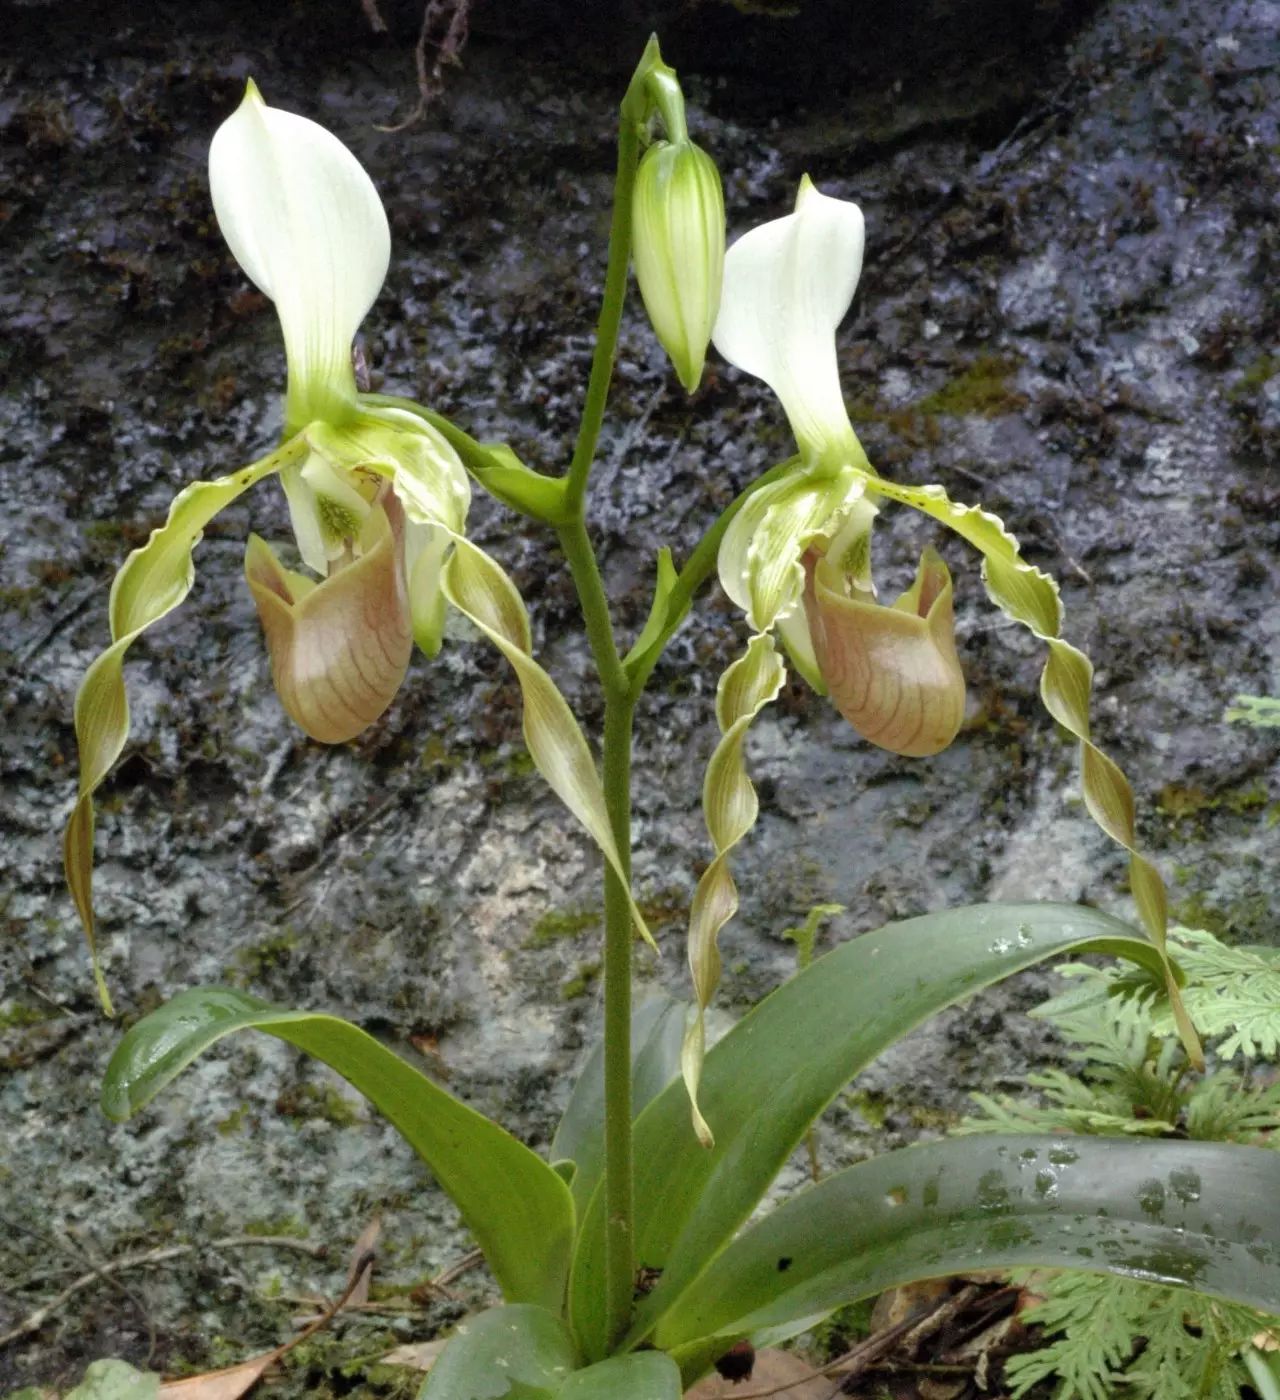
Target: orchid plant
(622, 1257)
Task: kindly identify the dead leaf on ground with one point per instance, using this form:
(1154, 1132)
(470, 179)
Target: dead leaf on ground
(783, 1371)
(419, 1356)
(228, 1384)
(361, 1269)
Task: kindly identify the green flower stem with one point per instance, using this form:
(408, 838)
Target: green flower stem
(619, 709)
(619, 1186)
(615, 290)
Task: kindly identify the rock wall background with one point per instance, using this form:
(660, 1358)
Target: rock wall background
(1069, 311)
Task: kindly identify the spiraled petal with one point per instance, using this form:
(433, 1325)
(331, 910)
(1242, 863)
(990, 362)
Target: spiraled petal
(892, 672)
(305, 222)
(152, 582)
(787, 286)
(339, 649)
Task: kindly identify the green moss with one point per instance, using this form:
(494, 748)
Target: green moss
(233, 1122)
(981, 390)
(872, 1106)
(322, 1101)
(258, 959)
(288, 1226)
(1263, 368)
(1179, 800)
(580, 984)
(556, 924)
(18, 1015)
(1247, 920)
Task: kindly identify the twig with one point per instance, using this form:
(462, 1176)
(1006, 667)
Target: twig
(34, 1321)
(453, 16)
(99, 1268)
(946, 1310)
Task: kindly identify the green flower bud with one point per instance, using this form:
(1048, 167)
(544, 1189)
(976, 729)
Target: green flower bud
(678, 236)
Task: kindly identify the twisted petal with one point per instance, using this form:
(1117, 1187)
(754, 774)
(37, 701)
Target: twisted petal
(730, 806)
(892, 672)
(152, 582)
(787, 286)
(305, 222)
(480, 589)
(1029, 596)
(339, 649)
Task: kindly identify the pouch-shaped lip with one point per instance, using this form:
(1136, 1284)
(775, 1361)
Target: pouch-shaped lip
(892, 672)
(339, 648)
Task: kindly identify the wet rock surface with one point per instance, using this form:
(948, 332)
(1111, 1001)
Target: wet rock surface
(1069, 312)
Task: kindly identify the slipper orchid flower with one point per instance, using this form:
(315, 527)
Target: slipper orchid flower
(797, 560)
(377, 495)
(798, 557)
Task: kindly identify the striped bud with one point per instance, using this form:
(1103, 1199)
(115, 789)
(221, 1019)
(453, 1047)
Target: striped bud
(678, 240)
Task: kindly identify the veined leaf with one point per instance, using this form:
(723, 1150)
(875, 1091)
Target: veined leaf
(780, 1066)
(1202, 1215)
(511, 1353)
(151, 582)
(518, 1209)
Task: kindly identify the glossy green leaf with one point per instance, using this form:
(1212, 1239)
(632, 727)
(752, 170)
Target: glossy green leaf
(780, 1066)
(645, 1375)
(657, 1029)
(511, 1353)
(517, 1207)
(1201, 1214)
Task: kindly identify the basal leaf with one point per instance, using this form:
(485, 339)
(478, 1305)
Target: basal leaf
(780, 1066)
(517, 1207)
(1200, 1215)
(511, 1353)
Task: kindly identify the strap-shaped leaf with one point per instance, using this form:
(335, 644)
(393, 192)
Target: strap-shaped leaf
(645, 1375)
(528, 1353)
(730, 807)
(779, 1067)
(518, 1209)
(657, 1029)
(1030, 596)
(151, 582)
(480, 588)
(519, 1352)
(1206, 1215)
